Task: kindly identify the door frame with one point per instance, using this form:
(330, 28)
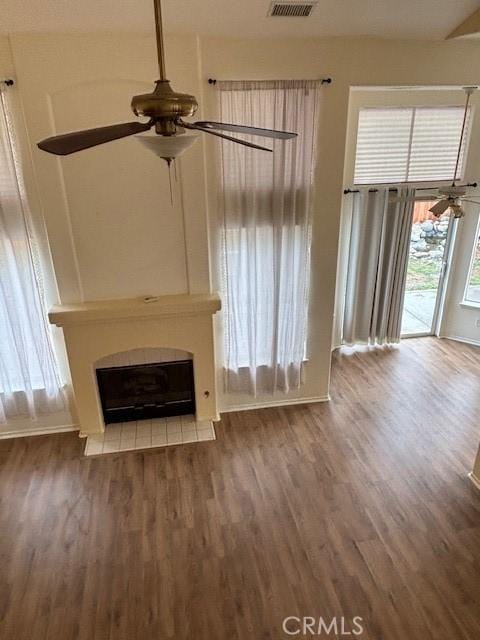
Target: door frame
(439, 307)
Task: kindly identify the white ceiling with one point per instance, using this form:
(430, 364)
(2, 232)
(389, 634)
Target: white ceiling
(432, 19)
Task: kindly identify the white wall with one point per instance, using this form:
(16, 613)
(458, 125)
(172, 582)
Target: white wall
(6, 60)
(111, 228)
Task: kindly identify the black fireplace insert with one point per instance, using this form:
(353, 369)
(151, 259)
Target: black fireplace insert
(137, 392)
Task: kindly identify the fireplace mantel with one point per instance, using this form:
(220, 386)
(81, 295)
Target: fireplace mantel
(97, 329)
(138, 308)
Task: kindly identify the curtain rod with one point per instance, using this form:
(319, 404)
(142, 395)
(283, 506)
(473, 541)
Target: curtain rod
(321, 80)
(469, 184)
(7, 81)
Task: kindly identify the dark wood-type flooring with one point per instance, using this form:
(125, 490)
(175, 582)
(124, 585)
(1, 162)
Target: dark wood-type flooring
(357, 507)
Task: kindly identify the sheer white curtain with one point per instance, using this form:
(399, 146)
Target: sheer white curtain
(29, 382)
(377, 266)
(267, 234)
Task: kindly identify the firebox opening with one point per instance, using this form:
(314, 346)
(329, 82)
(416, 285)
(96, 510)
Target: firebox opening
(138, 392)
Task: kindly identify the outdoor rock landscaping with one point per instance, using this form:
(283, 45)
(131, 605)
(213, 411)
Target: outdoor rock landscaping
(428, 238)
(427, 245)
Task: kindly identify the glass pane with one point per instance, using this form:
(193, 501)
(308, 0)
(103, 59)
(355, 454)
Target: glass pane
(383, 140)
(427, 247)
(436, 134)
(473, 290)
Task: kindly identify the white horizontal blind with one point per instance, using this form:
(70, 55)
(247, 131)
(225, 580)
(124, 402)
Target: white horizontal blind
(409, 144)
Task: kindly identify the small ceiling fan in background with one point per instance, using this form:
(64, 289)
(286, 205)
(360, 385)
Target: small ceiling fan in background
(452, 197)
(165, 109)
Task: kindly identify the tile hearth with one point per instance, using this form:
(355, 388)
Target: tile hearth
(147, 434)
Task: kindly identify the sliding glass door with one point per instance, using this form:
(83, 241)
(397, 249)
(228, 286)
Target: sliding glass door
(430, 248)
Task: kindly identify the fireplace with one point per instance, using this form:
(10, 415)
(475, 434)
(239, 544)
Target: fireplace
(95, 331)
(153, 390)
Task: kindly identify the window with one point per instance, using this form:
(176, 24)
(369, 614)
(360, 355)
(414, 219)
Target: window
(265, 253)
(29, 380)
(472, 293)
(238, 243)
(409, 144)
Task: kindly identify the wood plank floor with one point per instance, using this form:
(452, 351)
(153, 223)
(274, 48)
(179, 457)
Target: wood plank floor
(357, 507)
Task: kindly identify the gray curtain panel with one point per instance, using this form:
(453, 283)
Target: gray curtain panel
(377, 266)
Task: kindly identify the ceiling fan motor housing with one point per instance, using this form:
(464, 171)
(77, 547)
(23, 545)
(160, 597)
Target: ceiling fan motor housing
(165, 106)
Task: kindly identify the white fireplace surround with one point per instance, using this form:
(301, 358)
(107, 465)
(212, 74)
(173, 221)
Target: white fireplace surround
(108, 331)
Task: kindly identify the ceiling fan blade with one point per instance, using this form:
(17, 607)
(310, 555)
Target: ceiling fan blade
(187, 125)
(440, 207)
(471, 201)
(67, 143)
(252, 131)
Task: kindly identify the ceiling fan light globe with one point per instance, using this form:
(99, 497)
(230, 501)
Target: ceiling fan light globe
(458, 211)
(168, 147)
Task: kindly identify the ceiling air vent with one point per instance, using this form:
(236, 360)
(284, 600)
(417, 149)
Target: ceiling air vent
(291, 9)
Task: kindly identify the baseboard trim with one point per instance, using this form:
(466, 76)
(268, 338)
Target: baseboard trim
(37, 431)
(474, 480)
(474, 343)
(274, 403)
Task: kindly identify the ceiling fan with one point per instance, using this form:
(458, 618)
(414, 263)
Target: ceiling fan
(452, 197)
(165, 109)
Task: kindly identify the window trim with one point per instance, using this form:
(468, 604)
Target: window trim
(466, 302)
